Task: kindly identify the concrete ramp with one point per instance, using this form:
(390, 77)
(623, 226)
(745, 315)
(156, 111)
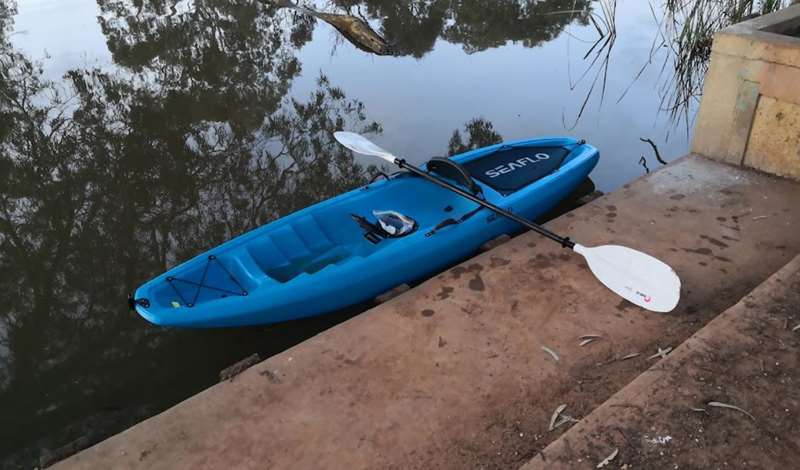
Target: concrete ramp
(453, 373)
(727, 397)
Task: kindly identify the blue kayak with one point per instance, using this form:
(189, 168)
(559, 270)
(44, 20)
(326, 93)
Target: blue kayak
(351, 248)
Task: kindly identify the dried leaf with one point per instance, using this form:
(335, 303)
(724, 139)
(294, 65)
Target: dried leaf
(629, 356)
(587, 341)
(608, 459)
(730, 407)
(760, 217)
(796, 328)
(662, 353)
(550, 352)
(589, 337)
(563, 420)
(555, 416)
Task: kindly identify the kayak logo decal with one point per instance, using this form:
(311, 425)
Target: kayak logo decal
(516, 165)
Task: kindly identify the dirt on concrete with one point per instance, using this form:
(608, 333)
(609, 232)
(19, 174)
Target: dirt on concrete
(729, 397)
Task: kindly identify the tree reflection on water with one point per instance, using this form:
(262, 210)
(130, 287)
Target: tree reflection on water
(110, 177)
(413, 27)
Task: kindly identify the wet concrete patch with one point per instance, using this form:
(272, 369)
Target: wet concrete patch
(444, 293)
(476, 283)
(540, 261)
(714, 241)
(497, 262)
(699, 251)
(458, 271)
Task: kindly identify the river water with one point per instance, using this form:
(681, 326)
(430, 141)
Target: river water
(137, 133)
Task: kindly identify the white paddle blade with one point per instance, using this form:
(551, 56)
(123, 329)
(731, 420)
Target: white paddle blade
(360, 144)
(635, 276)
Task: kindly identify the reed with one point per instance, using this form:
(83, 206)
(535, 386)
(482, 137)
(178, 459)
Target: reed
(687, 28)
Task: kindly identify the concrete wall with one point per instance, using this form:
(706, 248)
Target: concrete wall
(750, 113)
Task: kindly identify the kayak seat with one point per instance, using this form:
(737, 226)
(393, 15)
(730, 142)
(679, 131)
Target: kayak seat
(266, 254)
(291, 250)
(312, 234)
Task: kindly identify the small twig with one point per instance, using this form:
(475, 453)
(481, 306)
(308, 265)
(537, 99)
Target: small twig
(796, 328)
(550, 352)
(699, 410)
(586, 339)
(760, 217)
(731, 407)
(617, 359)
(655, 149)
(608, 459)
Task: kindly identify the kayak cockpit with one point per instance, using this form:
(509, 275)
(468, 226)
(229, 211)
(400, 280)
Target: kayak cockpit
(305, 244)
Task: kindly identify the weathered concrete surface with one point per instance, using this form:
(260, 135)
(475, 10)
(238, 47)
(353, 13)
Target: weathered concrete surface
(746, 357)
(750, 113)
(451, 374)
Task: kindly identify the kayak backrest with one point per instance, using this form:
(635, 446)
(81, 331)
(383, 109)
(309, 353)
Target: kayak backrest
(453, 171)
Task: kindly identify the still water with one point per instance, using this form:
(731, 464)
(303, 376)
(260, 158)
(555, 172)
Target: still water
(137, 133)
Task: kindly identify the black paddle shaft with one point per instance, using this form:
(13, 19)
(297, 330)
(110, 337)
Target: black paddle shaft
(564, 241)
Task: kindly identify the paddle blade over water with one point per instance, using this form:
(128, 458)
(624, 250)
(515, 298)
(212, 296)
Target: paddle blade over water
(360, 144)
(635, 276)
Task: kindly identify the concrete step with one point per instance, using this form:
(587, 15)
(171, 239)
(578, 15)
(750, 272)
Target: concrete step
(678, 413)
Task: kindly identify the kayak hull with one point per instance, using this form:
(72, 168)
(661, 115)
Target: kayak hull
(317, 260)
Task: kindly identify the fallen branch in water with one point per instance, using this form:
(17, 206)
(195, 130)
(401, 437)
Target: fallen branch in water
(655, 149)
(643, 162)
(230, 372)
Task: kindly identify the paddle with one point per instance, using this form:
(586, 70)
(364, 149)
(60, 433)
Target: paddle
(633, 275)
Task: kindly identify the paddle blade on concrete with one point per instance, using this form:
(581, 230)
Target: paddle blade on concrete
(635, 276)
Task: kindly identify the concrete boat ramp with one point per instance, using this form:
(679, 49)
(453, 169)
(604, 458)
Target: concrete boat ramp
(461, 371)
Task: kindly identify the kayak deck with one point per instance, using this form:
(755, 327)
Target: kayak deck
(319, 259)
